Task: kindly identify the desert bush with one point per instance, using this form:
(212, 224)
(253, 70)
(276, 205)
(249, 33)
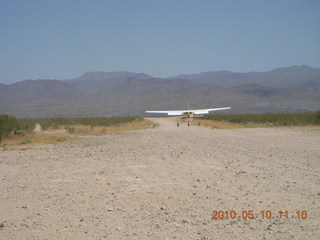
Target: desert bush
(276, 119)
(60, 139)
(8, 124)
(23, 142)
(29, 124)
(318, 118)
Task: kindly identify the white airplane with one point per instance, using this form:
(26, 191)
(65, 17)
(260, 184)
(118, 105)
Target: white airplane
(190, 112)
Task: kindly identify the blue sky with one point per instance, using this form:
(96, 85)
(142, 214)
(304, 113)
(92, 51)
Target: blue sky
(62, 39)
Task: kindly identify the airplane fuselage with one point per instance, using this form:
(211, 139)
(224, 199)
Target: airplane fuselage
(187, 115)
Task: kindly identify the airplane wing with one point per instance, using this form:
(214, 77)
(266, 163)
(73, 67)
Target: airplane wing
(195, 111)
(206, 111)
(170, 113)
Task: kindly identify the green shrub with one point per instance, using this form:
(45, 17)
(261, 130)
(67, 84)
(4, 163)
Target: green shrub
(275, 119)
(8, 124)
(317, 117)
(24, 142)
(61, 139)
(29, 124)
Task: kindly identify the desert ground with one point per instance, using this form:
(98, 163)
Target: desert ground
(165, 183)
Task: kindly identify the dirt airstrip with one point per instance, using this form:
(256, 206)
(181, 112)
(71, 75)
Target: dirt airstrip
(165, 183)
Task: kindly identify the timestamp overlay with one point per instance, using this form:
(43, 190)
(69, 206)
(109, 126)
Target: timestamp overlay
(264, 214)
(271, 223)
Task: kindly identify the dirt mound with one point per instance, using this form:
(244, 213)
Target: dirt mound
(37, 128)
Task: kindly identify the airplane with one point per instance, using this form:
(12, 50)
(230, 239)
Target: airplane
(189, 113)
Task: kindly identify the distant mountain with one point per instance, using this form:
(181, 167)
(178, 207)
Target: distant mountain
(281, 77)
(100, 77)
(254, 89)
(31, 90)
(291, 89)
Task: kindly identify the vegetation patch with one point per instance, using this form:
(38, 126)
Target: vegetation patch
(57, 130)
(8, 125)
(35, 138)
(61, 139)
(68, 129)
(54, 123)
(22, 142)
(153, 124)
(219, 124)
(266, 120)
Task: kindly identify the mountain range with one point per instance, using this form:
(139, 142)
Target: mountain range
(290, 89)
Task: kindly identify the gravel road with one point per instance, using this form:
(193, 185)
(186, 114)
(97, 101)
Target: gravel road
(165, 183)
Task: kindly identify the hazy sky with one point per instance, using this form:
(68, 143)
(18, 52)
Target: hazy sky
(61, 39)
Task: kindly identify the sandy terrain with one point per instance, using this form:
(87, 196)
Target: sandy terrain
(164, 183)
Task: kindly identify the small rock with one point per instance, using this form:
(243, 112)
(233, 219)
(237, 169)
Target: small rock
(163, 208)
(2, 225)
(110, 209)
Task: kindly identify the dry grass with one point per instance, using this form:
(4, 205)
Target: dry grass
(102, 130)
(38, 138)
(67, 134)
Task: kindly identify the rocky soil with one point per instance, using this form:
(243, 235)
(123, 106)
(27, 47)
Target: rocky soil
(165, 183)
